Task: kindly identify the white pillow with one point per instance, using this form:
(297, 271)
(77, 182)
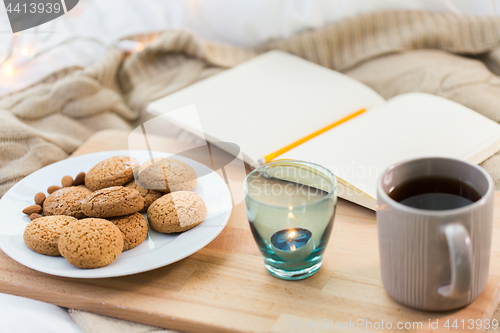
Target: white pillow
(252, 22)
(19, 314)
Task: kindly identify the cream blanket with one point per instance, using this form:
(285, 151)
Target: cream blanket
(456, 57)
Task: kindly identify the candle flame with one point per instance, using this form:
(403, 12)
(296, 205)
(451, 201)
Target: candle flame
(291, 234)
(25, 51)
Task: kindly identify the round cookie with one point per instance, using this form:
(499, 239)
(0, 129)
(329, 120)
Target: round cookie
(166, 175)
(66, 201)
(149, 196)
(112, 201)
(176, 212)
(42, 234)
(114, 171)
(90, 243)
(134, 228)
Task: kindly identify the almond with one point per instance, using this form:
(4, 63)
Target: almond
(80, 179)
(40, 198)
(34, 216)
(67, 181)
(32, 209)
(53, 188)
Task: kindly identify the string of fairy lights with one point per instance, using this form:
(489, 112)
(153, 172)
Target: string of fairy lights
(11, 64)
(19, 56)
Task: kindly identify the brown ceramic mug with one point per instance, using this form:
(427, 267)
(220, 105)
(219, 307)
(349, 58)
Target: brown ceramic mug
(434, 259)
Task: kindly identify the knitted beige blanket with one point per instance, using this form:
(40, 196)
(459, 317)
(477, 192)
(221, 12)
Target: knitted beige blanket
(456, 57)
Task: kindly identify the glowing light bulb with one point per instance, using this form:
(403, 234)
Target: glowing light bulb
(9, 70)
(129, 46)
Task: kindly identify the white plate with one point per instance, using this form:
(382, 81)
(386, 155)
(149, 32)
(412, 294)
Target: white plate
(156, 251)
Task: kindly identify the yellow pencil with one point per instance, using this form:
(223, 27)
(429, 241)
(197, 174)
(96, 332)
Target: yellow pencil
(267, 158)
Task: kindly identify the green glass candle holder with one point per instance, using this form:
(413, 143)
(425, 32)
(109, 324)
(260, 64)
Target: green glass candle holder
(291, 208)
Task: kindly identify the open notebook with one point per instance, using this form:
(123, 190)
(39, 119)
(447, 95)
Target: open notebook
(276, 98)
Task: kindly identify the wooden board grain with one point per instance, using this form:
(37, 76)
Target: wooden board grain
(225, 287)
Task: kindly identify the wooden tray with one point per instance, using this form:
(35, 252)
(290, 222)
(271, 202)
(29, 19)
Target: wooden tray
(225, 287)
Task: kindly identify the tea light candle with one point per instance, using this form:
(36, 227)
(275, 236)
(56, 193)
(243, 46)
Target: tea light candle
(292, 244)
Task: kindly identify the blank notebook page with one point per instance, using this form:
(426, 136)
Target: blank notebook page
(268, 102)
(407, 126)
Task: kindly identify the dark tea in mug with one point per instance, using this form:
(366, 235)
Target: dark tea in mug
(435, 193)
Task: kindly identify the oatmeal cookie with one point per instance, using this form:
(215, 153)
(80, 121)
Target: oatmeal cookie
(166, 175)
(176, 212)
(112, 201)
(66, 201)
(114, 171)
(134, 228)
(90, 243)
(42, 234)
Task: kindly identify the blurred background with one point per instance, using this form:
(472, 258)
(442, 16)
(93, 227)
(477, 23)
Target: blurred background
(80, 37)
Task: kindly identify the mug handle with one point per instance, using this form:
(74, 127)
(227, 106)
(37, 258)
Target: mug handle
(460, 248)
